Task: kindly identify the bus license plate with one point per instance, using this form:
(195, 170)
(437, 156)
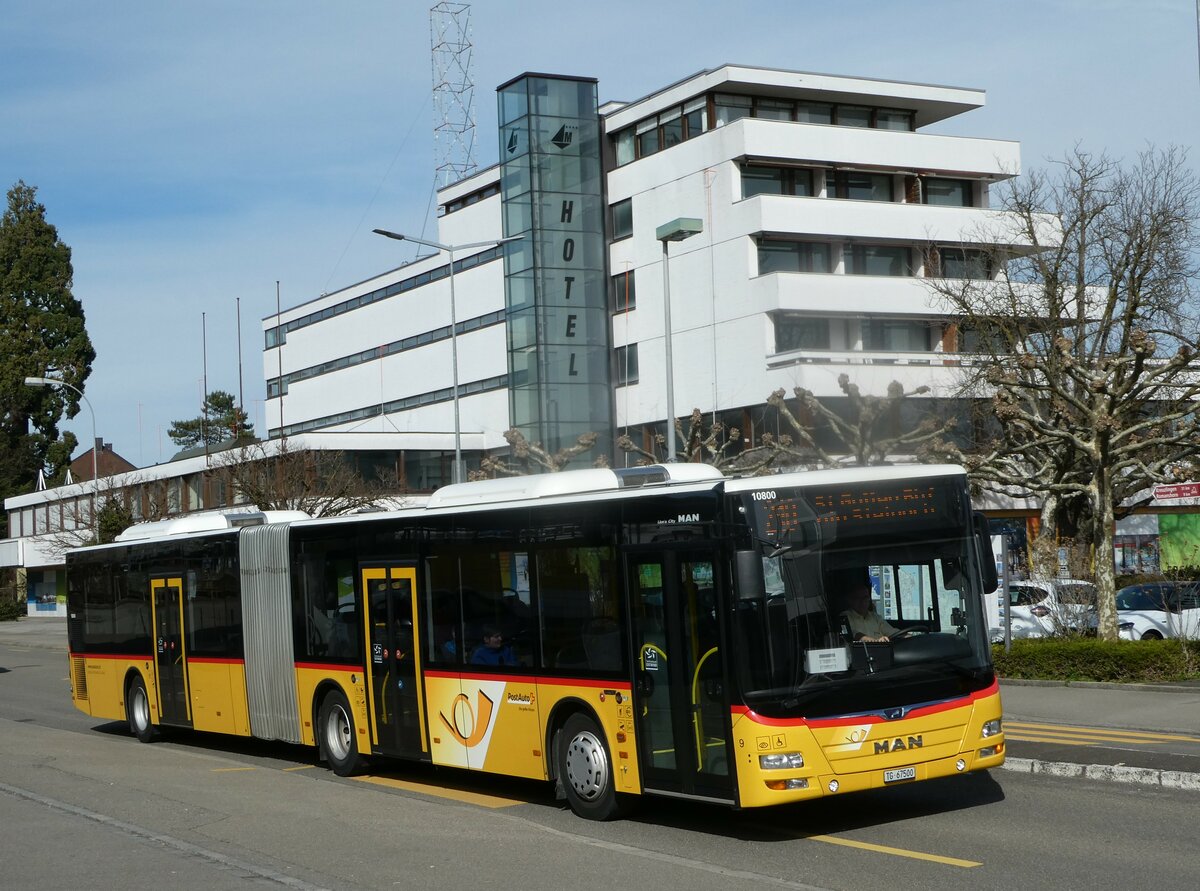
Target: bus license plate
(900, 773)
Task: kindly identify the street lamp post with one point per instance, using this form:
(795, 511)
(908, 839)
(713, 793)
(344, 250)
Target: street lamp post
(676, 230)
(450, 249)
(59, 382)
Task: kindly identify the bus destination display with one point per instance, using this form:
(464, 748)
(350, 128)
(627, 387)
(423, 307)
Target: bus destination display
(848, 507)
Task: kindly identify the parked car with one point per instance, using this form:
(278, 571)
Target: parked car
(1050, 608)
(1155, 610)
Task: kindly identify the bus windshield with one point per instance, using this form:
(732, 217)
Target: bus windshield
(860, 597)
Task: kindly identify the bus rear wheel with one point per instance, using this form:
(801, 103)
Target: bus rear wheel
(585, 770)
(137, 711)
(338, 743)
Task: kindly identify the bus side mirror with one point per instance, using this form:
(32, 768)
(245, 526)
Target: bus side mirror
(751, 583)
(983, 540)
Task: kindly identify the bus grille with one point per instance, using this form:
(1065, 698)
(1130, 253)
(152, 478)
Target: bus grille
(79, 677)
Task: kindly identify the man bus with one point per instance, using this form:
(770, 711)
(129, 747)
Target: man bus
(665, 631)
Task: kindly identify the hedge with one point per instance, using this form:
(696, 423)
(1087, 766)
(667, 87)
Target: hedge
(1084, 659)
(11, 609)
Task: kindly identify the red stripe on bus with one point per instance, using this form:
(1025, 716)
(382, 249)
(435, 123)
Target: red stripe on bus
(322, 666)
(525, 678)
(969, 699)
(143, 657)
(216, 660)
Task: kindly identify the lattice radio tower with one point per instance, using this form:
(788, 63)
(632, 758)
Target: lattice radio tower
(453, 92)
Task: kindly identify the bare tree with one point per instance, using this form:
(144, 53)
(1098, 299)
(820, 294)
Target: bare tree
(528, 457)
(713, 444)
(1087, 347)
(870, 430)
(322, 483)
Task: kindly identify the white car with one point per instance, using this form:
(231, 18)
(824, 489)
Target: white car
(1051, 608)
(1155, 610)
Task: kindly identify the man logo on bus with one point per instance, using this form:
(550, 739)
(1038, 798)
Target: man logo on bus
(468, 727)
(898, 745)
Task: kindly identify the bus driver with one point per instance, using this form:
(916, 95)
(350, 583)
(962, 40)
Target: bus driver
(865, 623)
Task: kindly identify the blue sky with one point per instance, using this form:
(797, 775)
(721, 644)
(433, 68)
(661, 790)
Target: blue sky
(194, 153)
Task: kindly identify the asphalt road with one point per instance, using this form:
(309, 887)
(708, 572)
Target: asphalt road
(84, 805)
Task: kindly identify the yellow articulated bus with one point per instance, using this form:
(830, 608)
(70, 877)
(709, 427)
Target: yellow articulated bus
(650, 631)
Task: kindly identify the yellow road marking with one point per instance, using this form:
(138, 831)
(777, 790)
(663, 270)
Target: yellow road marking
(1061, 740)
(231, 769)
(489, 801)
(896, 852)
(1035, 735)
(1129, 735)
(301, 767)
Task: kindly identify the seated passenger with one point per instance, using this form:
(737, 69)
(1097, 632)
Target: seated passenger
(865, 623)
(493, 650)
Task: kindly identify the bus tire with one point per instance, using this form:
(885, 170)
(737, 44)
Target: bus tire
(585, 769)
(137, 711)
(338, 742)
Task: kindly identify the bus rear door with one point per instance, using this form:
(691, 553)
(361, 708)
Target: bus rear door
(170, 662)
(680, 704)
(393, 671)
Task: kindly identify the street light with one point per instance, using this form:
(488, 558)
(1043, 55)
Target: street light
(676, 230)
(59, 382)
(450, 249)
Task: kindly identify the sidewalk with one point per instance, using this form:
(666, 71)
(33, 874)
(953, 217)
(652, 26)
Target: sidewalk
(43, 632)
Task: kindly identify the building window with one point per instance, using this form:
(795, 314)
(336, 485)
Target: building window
(964, 263)
(795, 332)
(647, 138)
(893, 119)
(774, 109)
(896, 336)
(814, 112)
(671, 127)
(760, 180)
(948, 192)
(852, 116)
(873, 259)
(728, 108)
(622, 219)
(622, 292)
(625, 364)
(776, 255)
(858, 186)
(624, 146)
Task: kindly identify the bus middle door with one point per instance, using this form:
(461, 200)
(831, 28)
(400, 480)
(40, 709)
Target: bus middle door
(170, 651)
(393, 670)
(680, 706)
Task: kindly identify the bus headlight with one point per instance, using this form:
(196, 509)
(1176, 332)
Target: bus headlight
(992, 728)
(781, 761)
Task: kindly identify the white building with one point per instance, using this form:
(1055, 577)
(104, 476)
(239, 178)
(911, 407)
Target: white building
(819, 199)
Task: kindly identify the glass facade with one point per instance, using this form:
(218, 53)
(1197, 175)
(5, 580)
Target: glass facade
(556, 287)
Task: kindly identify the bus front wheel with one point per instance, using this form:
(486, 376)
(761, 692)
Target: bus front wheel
(585, 770)
(137, 711)
(338, 742)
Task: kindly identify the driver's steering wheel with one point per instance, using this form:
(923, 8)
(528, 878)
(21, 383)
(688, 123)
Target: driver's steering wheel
(907, 631)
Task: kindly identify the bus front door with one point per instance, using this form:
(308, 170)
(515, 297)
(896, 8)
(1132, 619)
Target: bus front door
(680, 706)
(170, 662)
(393, 671)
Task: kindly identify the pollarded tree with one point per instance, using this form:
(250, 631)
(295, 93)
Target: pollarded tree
(869, 430)
(1087, 347)
(527, 457)
(41, 331)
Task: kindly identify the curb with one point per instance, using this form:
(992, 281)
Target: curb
(1181, 687)
(1112, 773)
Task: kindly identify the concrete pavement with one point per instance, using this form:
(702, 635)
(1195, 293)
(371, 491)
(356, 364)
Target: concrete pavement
(1128, 733)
